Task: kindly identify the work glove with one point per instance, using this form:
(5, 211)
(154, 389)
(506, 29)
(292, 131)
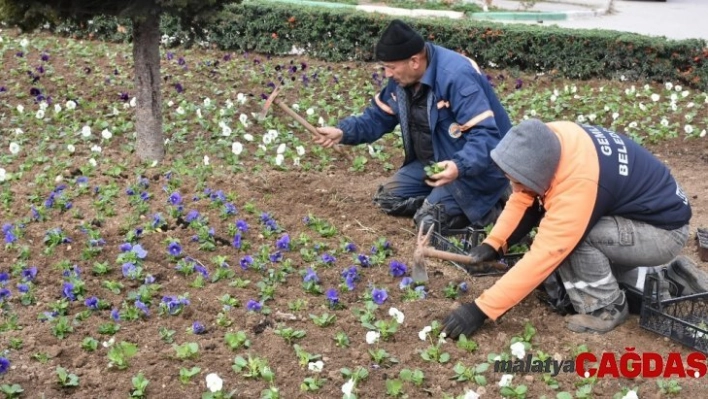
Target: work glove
(466, 319)
(483, 253)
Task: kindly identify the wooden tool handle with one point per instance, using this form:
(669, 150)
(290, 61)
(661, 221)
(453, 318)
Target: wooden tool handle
(453, 257)
(311, 128)
(298, 118)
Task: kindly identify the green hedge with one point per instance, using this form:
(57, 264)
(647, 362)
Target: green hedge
(342, 35)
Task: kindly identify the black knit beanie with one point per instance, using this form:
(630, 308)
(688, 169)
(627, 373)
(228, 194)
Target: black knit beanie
(398, 42)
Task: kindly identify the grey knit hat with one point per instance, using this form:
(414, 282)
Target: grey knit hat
(529, 153)
(398, 42)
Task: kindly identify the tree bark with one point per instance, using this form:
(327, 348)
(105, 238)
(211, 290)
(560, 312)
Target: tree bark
(150, 144)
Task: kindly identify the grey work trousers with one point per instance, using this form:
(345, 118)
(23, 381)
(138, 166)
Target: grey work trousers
(616, 247)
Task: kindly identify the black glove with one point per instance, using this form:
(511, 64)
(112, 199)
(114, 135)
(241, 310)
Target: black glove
(483, 253)
(466, 319)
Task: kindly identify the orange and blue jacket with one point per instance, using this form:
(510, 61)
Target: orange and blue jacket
(600, 173)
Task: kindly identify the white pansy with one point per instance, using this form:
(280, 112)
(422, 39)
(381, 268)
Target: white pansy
(86, 131)
(372, 337)
(199, 113)
(39, 114)
(321, 121)
(592, 117)
(296, 107)
(267, 139)
(581, 118)
(262, 147)
(642, 107)
(310, 112)
(126, 105)
(106, 134)
(222, 112)
(96, 148)
(3, 174)
(115, 111)
(109, 343)
(226, 131)
(243, 119)
(606, 108)
(236, 148)
(93, 162)
(207, 102)
(19, 131)
(180, 110)
(664, 122)
(372, 152)
(279, 159)
(59, 179)
(684, 93)
(669, 86)
(633, 124)
(396, 314)
(703, 133)
(615, 115)
(281, 149)
(24, 42)
(229, 103)
(348, 387)
(14, 148)
(441, 338)
(674, 107)
(655, 97)
(272, 133)
(471, 395)
(505, 380)
(20, 108)
(630, 395)
(690, 105)
(423, 334)
(206, 160)
(315, 366)
(296, 161)
(70, 148)
(673, 97)
(133, 102)
(70, 104)
(518, 350)
(688, 129)
(248, 137)
(170, 103)
(300, 150)
(241, 98)
(556, 92)
(214, 383)
(57, 108)
(554, 98)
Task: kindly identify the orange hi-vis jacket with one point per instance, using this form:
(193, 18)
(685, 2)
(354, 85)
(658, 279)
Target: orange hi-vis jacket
(600, 173)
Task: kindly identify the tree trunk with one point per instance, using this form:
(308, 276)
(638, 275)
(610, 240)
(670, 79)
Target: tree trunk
(150, 144)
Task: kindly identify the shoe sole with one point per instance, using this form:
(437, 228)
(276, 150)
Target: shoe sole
(579, 328)
(684, 272)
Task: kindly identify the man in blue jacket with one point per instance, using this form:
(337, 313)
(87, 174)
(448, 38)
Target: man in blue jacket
(450, 116)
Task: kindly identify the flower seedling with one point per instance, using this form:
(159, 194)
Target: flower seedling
(304, 357)
(185, 374)
(254, 367)
(237, 340)
(416, 377)
(120, 353)
(433, 169)
(89, 344)
(323, 320)
(297, 305)
(341, 339)
(472, 374)
(394, 388)
(166, 334)
(516, 392)
(289, 334)
(65, 379)
(61, 327)
(11, 391)
(140, 384)
(669, 387)
(187, 350)
(466, 344)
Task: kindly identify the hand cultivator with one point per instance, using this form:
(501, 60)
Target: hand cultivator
(423, 250)
(272, 99)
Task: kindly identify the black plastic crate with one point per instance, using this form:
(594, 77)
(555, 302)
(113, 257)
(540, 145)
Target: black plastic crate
(683, 319)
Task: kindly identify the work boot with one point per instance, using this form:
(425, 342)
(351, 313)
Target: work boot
(601, 320)
(688, 279)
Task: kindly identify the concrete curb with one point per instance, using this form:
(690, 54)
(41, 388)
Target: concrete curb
(487, 15)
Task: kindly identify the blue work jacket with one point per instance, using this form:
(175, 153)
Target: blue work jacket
(466, 119)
